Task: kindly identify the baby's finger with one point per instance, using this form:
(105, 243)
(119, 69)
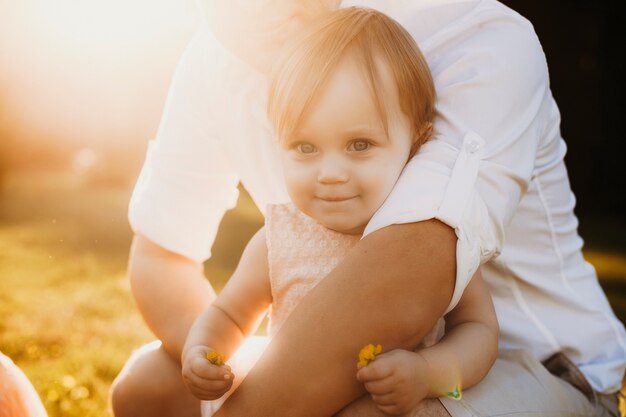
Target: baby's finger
(207, 395)
(392, 410)
(385, 399)
(374, 371)
(204, 394)
(211, 392)
(199, 384)
(206, 370)
(380, 386)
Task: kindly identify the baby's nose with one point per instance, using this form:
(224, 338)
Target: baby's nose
(332, 171)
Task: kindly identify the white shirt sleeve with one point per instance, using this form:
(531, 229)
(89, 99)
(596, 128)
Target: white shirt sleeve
(491, 79)
(187, 182)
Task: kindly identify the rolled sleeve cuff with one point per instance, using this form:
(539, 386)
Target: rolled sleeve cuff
(439, 182)
(170, 207)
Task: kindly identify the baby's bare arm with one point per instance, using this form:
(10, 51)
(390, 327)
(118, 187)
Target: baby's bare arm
(235, 313)
(220, 328)
(470, 346)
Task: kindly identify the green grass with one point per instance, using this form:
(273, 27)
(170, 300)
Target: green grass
(66, 313)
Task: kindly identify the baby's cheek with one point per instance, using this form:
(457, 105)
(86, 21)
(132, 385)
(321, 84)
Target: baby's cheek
(380, 186)
(295, 174)
(296, 180)
(300, 191)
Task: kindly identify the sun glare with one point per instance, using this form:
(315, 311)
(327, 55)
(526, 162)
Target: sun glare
(99, 22)
(89, 70)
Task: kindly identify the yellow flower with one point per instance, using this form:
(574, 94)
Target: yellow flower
(215, 358)
(368, 353)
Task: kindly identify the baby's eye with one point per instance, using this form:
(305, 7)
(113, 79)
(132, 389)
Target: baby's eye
(359, 145)
(305, 148)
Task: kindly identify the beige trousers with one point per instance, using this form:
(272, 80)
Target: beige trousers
(521, 386)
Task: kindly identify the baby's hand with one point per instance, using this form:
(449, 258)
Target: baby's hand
(397, 381)
(204, 379)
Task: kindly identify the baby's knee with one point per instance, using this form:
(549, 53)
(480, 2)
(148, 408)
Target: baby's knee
(130, 395)
(121, 397)
(142, 385)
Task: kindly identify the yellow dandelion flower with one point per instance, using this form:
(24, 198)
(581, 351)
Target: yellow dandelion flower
(368, 354)
(215, 358)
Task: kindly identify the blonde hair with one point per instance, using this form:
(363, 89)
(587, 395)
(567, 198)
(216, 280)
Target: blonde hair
(366, 34)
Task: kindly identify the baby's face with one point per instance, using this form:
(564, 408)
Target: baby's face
(340, 164)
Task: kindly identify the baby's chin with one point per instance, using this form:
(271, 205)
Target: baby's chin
(348, 225)
(346, 230)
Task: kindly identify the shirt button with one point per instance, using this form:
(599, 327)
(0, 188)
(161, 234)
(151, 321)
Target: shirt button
(473, 146)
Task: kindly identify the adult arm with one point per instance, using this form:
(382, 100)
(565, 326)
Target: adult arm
(470, 345)
(174, 219)
(169, 289)
(309, 367)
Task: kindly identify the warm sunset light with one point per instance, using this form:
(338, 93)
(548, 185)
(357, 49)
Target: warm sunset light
(89, 70)
(408, 156)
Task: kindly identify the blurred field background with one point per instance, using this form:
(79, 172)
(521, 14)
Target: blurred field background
(66, 314)
(82, 85)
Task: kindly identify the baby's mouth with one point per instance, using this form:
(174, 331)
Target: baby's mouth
(335, 198)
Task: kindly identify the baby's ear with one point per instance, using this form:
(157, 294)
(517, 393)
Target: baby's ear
(422, 134)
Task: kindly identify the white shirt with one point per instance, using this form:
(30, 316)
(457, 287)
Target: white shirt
(495, 173)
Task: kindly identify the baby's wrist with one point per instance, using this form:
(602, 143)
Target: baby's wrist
(443, 378)
(194, 349)
(423, 364)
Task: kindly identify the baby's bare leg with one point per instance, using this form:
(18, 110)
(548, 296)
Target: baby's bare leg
(150, 385)
(366, 407)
